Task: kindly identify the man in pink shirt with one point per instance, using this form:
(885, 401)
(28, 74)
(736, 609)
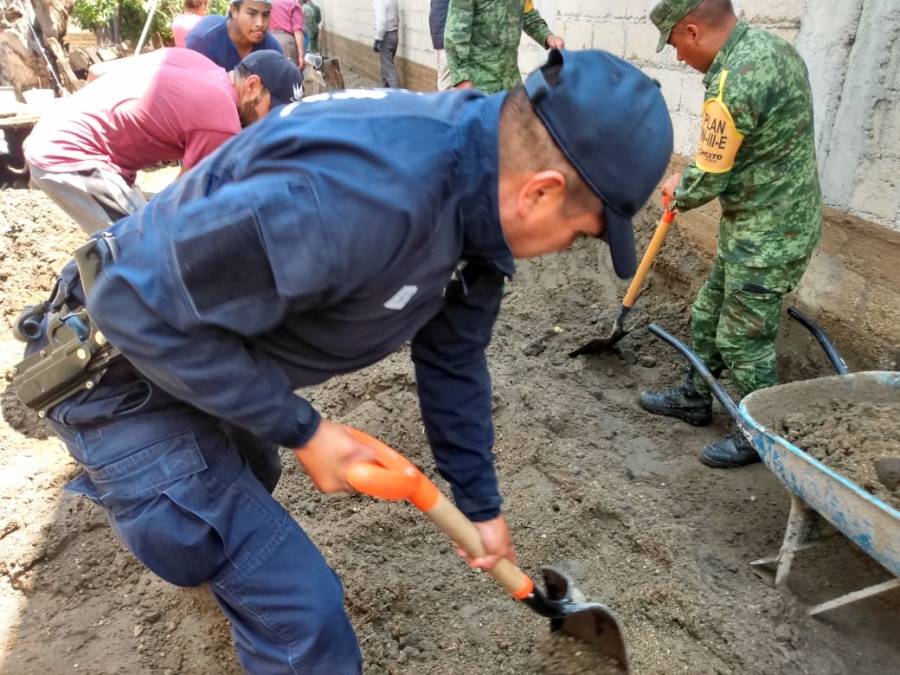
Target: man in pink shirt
(194, 10)
(170, 104)
(286, 25)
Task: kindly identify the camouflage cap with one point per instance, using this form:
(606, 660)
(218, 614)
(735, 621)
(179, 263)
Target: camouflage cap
(667, 13)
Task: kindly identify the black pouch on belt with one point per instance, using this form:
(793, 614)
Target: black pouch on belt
(76, 354)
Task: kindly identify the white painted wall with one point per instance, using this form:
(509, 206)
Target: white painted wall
(852, 48)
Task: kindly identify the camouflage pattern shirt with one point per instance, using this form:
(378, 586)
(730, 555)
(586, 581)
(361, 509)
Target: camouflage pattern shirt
(482, 40)
(757, 152)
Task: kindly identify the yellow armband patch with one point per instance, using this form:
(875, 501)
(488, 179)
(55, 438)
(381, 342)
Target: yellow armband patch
(528, 6)
(719, 138)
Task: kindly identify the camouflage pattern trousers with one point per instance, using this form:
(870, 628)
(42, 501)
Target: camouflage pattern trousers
(735, 319)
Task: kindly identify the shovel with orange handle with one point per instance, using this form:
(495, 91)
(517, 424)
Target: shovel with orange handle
(391, 476)
(634, 288)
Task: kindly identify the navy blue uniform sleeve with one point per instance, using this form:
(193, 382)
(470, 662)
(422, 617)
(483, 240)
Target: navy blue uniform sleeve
(196, 42)
(194, 281)
(454, 388)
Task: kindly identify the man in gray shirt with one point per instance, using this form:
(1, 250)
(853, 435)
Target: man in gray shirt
(387, 21)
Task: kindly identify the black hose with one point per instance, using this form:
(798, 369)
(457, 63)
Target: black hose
(830, 350)
(698, 365)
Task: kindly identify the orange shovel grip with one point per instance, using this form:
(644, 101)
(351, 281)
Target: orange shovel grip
(390, 476)
(668, 211)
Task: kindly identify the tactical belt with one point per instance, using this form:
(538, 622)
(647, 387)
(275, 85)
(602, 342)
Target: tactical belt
(76, 354)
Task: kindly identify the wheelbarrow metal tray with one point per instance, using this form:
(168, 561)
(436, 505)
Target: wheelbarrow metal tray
(866, 520)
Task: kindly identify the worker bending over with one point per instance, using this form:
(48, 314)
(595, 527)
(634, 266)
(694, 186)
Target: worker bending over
(264, 270)
(170, 104)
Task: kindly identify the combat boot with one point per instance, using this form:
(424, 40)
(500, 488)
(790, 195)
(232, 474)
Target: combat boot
(683, 402)
(729, 453)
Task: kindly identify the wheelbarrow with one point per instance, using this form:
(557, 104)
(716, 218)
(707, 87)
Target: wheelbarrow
(816, 489)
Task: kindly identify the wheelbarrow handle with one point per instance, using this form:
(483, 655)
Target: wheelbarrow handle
(827, 345)
(393, 477)
(701, 369)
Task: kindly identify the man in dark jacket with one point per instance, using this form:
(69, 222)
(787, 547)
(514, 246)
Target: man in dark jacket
(263, 270)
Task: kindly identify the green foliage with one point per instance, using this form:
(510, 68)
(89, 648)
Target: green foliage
(218, 7)
(96, 15)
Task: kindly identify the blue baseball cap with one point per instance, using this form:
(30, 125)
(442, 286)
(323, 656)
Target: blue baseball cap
(611, 122)
(278, 73)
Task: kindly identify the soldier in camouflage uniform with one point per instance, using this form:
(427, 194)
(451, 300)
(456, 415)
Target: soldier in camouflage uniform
(482, 41)
(757, 155)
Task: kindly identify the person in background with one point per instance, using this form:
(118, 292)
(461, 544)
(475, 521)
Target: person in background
(482, 41)
(437, 21)
(312, 19)
(226, 40)
(387, 23)
(286, 25)
(163, 105)
(184, 23)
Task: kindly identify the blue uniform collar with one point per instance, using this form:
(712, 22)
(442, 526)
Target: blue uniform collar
(477, 177)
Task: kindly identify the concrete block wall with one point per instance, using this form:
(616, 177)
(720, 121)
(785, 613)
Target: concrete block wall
(851, 47)
(349, 27)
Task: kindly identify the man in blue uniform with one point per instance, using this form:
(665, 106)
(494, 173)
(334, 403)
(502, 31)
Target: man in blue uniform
(264, 270)
(227, 40)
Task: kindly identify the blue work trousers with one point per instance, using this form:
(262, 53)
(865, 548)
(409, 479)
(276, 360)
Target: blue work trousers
(190, 497)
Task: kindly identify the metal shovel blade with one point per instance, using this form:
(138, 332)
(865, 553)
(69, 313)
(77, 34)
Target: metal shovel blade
(603, 344)
(569, 613)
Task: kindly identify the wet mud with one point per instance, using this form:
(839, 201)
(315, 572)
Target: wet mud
(858, 439)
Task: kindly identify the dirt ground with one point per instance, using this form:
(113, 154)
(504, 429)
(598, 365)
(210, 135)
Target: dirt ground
(590, 481)
(853, 437)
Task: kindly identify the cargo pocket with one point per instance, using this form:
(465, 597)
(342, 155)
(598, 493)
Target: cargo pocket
(179, 546)
(752, 312)
(129, 482)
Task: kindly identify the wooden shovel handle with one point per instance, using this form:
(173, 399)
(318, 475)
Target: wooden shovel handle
(391, 476)
(464, 533)
(634, 288)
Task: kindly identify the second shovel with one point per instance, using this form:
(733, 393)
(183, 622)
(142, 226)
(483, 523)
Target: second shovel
(634, 288)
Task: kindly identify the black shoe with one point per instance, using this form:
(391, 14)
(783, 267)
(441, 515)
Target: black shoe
(729, 453)
(683, 402)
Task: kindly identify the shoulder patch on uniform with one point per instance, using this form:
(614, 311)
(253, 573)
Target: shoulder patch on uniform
(719, 138)
(223, 265)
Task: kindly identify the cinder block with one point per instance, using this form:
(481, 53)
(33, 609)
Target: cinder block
(686, 132)
(578, 34)
(878, 196)
(616, 8)
(693, 92)
(640, 42)
(640, 9)
(671, 85)
(531, 59)
(787, 33)
(567, 8)
(609, 34)
(771, 11)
